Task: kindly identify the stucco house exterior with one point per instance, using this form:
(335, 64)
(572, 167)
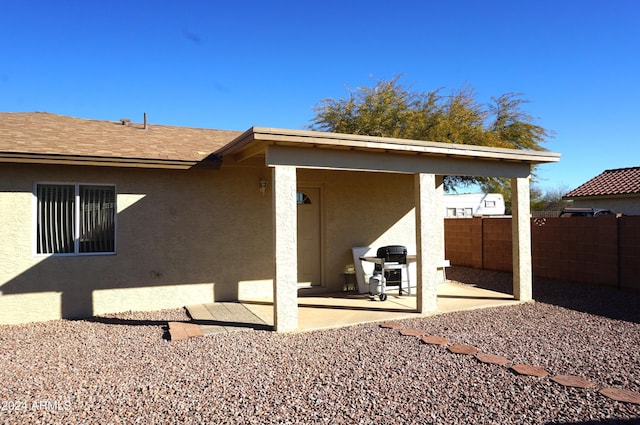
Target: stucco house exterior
(108, 216)
(617, 190)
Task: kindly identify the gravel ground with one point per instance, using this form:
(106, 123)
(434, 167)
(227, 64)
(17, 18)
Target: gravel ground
(121, 369)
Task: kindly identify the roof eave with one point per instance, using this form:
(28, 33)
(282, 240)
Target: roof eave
(51, 159)
(602, 196)
(350, 141)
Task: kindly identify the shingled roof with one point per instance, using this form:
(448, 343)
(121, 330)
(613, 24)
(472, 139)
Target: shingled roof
(40, 133)
(620, 181)
(38, 137)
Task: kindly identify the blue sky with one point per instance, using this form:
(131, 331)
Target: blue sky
(235, 64)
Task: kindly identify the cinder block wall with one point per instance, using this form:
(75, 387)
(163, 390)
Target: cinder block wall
(601, 250)
(629, 246)
(464, 242)
(576, 249)
(497, 245)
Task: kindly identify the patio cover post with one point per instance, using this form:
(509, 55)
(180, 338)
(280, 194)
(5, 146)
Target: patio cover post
(521, 237)
(429, 239)
(285, 284)
(439, 212)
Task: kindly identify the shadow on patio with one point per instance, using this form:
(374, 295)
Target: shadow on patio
(331, 310)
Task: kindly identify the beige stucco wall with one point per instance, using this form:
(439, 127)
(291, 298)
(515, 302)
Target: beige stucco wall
(185, 237)
(361, 209)
(182, 237)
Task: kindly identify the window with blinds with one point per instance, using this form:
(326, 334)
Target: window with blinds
(75, 219)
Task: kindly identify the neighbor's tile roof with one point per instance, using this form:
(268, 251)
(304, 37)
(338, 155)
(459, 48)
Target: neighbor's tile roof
(45, 133)
(621, 181)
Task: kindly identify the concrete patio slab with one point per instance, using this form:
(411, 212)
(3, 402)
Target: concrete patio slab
(344, 309)
(332, 310)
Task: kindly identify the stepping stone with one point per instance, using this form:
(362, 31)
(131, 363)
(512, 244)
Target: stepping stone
(492, 359)
(619, 394)
(526, 369)
(435, 340)
(391, 325)
(462, 349)
(411, 332)
(572, 381)
(181, 330)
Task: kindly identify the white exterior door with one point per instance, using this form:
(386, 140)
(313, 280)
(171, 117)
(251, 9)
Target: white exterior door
(309, 252)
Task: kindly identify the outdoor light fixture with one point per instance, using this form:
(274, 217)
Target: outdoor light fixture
(262, 186)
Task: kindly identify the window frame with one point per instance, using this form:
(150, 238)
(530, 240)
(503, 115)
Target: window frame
(76, 219)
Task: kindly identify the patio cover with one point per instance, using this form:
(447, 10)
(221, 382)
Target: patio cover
(287, 150)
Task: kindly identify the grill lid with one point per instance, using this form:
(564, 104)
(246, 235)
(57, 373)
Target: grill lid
(393, 253)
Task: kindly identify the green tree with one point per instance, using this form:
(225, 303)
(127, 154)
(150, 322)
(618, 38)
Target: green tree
(390, 109)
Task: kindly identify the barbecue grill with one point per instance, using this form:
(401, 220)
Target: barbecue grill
(392, 260)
